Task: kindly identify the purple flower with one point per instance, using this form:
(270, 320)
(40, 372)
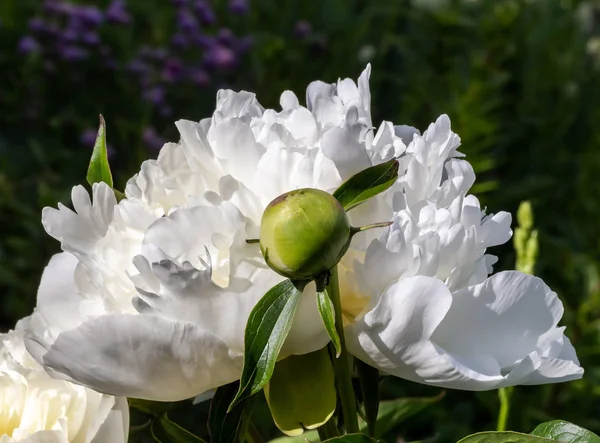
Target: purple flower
(28, 45)
(204, 12)
(37, 24)
(72, 53)
(152, 139)
(243, 44)
(180, 41)
(155, 95)
(220, 57)
(179, 3)
(199, 77)
(69, 35)
(90, 15)
(239, 7)
(117, 13)
(186, 21)
(302, 29)
(225, 35)
(88, 137)
(172, 69)
(90, 38)
(137, 66)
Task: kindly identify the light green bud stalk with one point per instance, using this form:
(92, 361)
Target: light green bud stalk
(304, 233)
(525, 239)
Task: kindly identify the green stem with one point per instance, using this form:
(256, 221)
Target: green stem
(252, 434)
(504, 394)
(328, 430)
(341, 364)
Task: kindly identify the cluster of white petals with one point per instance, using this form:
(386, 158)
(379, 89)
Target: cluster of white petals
(34, 408)
(160, 284)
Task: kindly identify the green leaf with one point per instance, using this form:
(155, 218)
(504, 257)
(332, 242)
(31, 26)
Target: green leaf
(327, 312)
(268, 325)
(559, 430)
(352, 438)
(503, 437)
(393, 412)
(150, 407)
(368, 377)
(366, 184)
(99, 170)
(165, 431)
(301, 394)
(224, 427)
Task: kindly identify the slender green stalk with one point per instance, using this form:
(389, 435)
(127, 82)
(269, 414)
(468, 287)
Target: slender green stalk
(328, 430)
(341, 365)
(504, 394)
(252, 434)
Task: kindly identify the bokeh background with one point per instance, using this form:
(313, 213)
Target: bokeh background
(520, 80)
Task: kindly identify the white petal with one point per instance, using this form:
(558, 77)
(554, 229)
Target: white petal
(347, 153)
(142, 356)
(57, 297)
(395, 335)
(115, 428)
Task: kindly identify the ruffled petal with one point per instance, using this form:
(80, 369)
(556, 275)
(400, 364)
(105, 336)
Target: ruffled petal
(141, 356)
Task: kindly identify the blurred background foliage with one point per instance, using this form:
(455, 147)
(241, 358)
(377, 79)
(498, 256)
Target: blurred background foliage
(520, 80)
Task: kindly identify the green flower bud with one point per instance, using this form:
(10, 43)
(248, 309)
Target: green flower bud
(304, 233)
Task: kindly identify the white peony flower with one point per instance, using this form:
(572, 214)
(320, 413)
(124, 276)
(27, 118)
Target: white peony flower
(35, 408)
(163, 281)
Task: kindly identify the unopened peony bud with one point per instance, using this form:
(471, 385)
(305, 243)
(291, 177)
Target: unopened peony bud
(304, 233)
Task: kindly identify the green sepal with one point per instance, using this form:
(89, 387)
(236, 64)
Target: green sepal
(165, 431)
(266, 330)
(367, 183)
(301, 394)
(353, 438)
(327, 311)
(99, 169)
(560, 430)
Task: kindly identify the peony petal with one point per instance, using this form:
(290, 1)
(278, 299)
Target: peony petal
(395, 335)
(141, 356)
(57, 298)
(115, 428)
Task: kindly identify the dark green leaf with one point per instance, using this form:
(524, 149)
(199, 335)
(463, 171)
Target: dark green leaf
(366, 184)
(223, 426)
(393, 412)
(559, 430)
(268, 325)
(99, 170)
(352, 438)
(327, 312)
(165, 431)
(369, 386)
(150, 407)
(503, 437)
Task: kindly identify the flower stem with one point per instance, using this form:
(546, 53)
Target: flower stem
(341, 365)
(504, 394)
(328, 430)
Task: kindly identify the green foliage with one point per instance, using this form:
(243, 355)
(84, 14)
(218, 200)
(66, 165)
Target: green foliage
(366, 184)
(268, 326)
(166, 431)
(559, 430)
(99, 169)
(226, 427)
(517, 78)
